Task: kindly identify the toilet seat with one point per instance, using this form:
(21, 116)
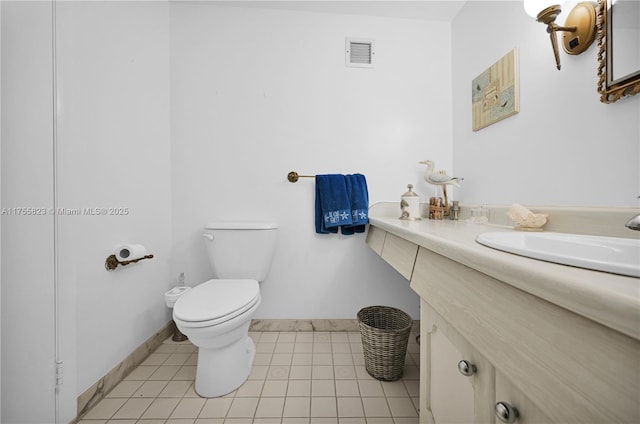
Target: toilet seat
(216, 301)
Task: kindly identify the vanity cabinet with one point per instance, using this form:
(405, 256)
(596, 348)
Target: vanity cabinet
(550, 364)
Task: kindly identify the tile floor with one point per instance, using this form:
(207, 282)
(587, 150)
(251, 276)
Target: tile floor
(297, 378)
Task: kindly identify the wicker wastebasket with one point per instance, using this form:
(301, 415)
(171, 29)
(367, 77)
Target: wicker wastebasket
(385, 333)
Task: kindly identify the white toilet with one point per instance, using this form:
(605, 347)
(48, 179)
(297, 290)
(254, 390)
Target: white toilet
(216, 314)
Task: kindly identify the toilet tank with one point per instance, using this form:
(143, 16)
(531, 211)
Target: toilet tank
(240, 250)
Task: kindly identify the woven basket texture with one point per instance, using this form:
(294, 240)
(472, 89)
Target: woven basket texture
(385, 333)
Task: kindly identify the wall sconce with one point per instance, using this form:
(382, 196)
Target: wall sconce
(580, 26)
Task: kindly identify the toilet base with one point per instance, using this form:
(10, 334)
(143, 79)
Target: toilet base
(178, 336)
(222, 370)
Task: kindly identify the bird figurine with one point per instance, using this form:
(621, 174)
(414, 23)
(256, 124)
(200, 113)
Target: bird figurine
(438, 178)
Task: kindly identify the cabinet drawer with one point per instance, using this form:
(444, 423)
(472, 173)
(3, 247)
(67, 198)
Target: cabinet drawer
(572, 369)
(400, 254)
(375, 239)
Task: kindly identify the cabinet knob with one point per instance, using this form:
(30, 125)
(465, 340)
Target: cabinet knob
(506, 413)
(466, 368)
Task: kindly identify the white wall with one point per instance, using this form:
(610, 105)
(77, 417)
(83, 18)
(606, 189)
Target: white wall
(27, 247)
(0, 207)
(113, 73)
(258, 93)
(564, 147)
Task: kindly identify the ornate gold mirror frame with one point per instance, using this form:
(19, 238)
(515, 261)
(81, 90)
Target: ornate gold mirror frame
(611, 90)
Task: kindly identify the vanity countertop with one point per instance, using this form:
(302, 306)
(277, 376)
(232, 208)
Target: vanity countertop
(612, 300)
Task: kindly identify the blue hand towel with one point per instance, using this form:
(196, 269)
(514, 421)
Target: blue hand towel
(359, 200)
(333, 206)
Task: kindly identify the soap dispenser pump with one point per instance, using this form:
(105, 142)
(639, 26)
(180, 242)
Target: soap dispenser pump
(410, 204)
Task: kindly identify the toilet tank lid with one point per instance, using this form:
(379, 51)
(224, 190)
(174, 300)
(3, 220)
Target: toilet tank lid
(240, 225)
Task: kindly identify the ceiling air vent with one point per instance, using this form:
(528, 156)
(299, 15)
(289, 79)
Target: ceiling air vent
(359, 52)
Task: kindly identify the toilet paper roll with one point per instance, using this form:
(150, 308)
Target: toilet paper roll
(129, 252)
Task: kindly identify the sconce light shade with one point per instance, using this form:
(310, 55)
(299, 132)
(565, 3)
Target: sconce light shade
(533, 7)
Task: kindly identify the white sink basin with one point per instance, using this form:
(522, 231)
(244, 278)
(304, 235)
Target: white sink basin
(609, 254)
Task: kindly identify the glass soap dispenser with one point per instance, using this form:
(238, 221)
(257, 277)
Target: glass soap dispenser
(410, 204)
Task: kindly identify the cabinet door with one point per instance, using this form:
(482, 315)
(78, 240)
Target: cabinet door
(446, 395)
(528, 413)
(451, 392)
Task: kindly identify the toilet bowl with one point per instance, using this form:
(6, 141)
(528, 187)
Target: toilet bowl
(216, 314)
